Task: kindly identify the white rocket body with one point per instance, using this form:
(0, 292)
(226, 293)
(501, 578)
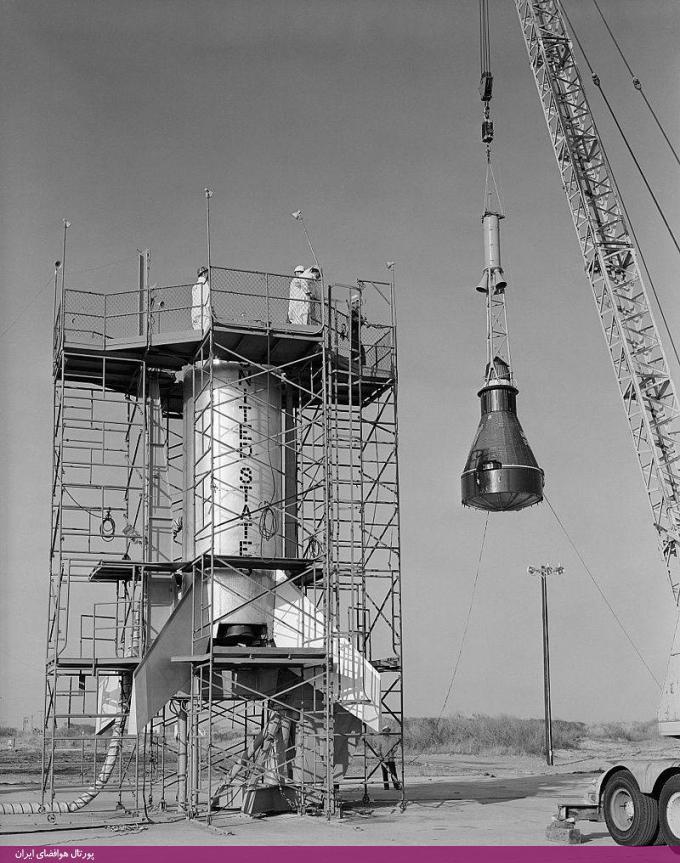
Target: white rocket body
(238, 436)
(492, 275)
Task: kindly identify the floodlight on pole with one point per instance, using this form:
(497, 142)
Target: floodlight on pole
(67, 225)
(297, 215)
(57, 270)
(543, 572)
(208, 195)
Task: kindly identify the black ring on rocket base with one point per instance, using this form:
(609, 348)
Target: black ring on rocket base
(505, 489)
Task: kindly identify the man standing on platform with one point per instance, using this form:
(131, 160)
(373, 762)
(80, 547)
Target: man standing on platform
(298, 299)
(200, 301)
(312, 277)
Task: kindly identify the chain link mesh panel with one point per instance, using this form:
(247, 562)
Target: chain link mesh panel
(123, 318)
(237, 297)
(242, 297)
(83, 318)
(376, 340)
(355, 336)
(170, 309)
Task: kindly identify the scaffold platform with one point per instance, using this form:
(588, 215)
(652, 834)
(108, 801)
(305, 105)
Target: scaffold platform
(129, 570)
(231, 657)
(96, 663)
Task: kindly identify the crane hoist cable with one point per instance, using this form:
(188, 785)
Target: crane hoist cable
(486, 76)
(598, 83)
(651, 284)
(637, 83)
(491, 188)
(623, 204)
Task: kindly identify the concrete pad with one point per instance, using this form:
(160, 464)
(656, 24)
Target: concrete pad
(451, 810)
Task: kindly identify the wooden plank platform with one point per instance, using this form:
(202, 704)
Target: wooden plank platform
(226, 657)
(287, 564)
(252, 340)
(117, 366)
(124, 570)
(98, 663)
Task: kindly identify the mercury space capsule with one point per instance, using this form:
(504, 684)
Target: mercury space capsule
(501, 473)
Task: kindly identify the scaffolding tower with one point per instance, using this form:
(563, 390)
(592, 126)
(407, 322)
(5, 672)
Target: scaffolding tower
(224, 623)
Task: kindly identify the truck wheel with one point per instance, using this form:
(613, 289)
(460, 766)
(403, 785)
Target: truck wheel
(669, 810)
(632, 817)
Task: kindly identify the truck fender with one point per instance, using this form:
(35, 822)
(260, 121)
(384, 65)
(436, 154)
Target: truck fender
(646, 774)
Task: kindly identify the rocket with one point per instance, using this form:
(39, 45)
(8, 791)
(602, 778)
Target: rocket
(492, 274)
(501, 473)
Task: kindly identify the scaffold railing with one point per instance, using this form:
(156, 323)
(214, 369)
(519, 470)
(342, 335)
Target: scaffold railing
(233, 297)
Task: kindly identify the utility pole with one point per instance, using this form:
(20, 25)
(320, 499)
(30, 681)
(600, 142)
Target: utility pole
(544, 571)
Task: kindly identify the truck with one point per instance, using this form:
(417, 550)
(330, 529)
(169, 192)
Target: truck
(638, 800)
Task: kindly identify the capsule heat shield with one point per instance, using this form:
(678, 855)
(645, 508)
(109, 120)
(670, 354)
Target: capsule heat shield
(501, 473)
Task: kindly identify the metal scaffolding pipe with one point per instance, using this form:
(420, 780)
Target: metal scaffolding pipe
(182, 736)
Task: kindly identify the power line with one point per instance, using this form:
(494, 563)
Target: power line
(601, 592)
(28, 305)
(467, 620)
(100, 266)
(50, 281)
(637, 83)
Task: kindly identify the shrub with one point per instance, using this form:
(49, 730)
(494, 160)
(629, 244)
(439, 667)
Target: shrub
(631, 732)
(472, 735)
(8, 731)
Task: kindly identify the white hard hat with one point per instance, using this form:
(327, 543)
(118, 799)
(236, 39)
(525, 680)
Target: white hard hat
(299, 269)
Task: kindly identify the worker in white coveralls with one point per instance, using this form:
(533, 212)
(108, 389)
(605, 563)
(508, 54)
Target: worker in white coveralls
(312, 275)
(200, 301)
(298, 299)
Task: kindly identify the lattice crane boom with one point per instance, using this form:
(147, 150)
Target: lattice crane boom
(611, 264)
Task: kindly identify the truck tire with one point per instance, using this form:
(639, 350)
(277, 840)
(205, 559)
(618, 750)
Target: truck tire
(669, 810)
(632, 817)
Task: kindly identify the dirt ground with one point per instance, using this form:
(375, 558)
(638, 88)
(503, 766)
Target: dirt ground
(451, 800)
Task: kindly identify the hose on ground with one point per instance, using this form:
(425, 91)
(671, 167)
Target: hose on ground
(115, 746)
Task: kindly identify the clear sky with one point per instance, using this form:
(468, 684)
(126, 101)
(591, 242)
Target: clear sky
(365, 114)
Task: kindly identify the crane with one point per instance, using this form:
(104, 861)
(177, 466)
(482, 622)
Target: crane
(638, 800)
